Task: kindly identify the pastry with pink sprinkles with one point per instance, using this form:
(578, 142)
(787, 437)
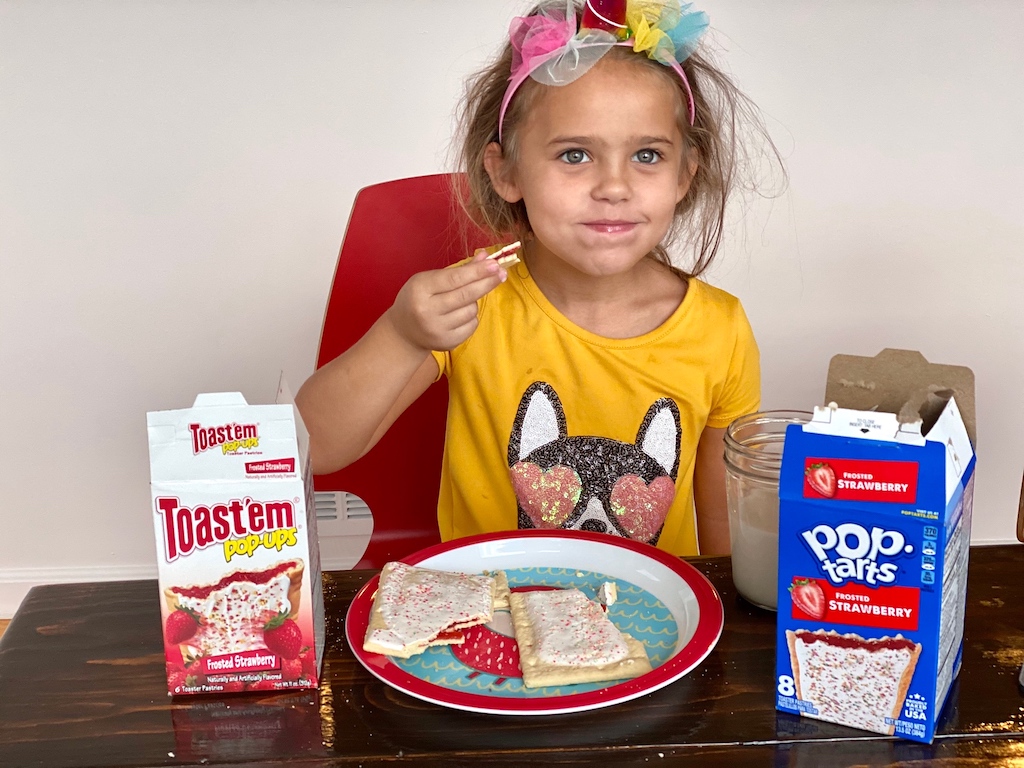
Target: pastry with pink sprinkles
(416, 608)
(566, 638)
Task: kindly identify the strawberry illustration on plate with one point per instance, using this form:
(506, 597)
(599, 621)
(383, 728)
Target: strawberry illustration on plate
(809, 597)
(822, 479)
(490, 649)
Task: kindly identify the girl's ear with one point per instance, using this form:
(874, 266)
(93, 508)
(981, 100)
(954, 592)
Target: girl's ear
(500, 171)
(686, 173)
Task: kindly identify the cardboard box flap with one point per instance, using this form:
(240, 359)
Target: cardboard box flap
(226, 442)
(949, 429)
(212, 399)
(926, 406)
(903, 382)
(845, 422)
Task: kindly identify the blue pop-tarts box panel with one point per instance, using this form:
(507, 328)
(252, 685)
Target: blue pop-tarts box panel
(874, 536)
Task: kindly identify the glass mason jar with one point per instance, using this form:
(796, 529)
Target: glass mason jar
(753, 458)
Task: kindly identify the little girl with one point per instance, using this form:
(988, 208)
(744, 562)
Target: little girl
(590, 384)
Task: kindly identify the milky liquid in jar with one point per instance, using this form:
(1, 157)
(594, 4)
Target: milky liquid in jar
(753, 458)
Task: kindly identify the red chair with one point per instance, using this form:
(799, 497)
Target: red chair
(396, 229)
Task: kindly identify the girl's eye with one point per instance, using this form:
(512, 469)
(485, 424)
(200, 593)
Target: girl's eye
(574, 156)
(647, 156)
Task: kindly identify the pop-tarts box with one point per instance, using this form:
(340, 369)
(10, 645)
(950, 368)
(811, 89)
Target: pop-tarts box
(874, 535)
(241, 599)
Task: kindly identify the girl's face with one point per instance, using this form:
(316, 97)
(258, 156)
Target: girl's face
(601, 167)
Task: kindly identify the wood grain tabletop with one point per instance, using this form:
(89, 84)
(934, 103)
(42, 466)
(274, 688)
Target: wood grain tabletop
(82, 685)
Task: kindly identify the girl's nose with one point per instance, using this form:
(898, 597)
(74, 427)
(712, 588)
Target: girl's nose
(612, 183)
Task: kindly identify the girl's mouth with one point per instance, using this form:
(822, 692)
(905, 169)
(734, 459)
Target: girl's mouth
(610, 226)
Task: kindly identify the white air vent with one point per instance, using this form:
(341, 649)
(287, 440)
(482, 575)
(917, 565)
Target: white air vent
(355, 508)
(344, 523)
(328, 504)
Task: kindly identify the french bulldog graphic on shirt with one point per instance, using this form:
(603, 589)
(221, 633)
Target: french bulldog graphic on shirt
(592, 483)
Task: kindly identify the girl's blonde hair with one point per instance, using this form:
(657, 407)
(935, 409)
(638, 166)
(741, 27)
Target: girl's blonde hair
(724, 116)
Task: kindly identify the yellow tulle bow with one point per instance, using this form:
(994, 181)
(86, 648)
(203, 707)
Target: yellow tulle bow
(643, 17)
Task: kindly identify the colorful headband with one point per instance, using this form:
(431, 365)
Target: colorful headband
(549, 47)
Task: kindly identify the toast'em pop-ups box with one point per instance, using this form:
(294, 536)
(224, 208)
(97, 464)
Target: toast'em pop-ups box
(239, 565)
(874, 530)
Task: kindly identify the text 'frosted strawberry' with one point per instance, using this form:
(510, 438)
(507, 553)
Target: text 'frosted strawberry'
(230, 437)
(837, 479)
(242, 526)
(856, 552)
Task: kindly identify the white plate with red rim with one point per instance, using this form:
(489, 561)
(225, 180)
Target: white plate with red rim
(676, 586)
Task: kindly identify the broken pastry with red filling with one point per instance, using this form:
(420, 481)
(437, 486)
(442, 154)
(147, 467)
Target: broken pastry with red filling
(416, 608)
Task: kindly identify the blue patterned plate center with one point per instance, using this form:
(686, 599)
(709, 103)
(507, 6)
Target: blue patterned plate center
(484, 665)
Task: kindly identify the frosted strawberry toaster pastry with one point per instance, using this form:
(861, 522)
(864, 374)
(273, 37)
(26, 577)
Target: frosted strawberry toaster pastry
(565, 638)
(416, 608)
(237, 552)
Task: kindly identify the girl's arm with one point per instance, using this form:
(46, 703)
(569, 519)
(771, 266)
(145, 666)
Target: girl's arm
(350, 402)
(709, 493)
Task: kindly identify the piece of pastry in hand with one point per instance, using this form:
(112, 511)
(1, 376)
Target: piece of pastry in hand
(565, 638)
(506, 256)
(416, 608)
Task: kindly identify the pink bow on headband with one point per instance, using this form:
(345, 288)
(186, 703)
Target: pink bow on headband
(548, 48)
(535, 39)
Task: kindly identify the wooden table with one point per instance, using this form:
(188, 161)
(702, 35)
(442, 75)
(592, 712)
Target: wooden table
(82, 684)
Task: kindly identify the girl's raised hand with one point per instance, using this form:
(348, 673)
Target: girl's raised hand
(436, 310)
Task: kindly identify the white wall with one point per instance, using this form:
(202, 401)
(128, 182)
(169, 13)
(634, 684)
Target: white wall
(175, 179)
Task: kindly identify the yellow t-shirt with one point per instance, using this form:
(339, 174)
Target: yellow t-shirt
(550, 425)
